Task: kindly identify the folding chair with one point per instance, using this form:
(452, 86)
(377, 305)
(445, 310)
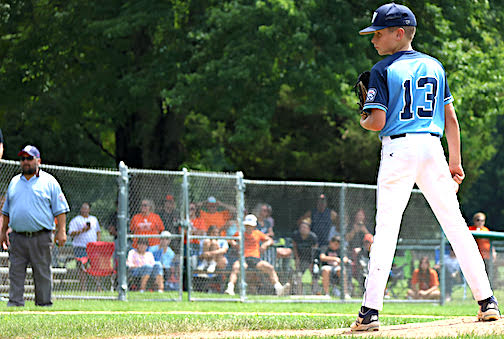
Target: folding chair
(98, 262)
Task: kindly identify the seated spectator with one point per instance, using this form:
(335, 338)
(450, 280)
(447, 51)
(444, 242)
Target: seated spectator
(361, 264)
(141, 263)
(84, 229)
(322, 219)
(213, 252)
(479, 220)
(199, 227)
(163, 254)
(170, 215)
(255, 242)
(453, 273)
(331, 266)
(304, 241)
(356, 233)
(424, 282)
(263, 223)
(146, 222)
(216, 213)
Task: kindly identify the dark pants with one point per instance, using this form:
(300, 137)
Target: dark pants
(35, 250)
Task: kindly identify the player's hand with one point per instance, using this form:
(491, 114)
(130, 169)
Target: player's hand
(457, 173)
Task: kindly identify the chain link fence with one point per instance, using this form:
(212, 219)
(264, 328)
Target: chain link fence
(163, 232)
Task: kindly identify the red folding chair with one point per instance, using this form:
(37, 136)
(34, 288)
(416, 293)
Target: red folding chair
(98, 262)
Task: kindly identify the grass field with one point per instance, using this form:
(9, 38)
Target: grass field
(134, 318)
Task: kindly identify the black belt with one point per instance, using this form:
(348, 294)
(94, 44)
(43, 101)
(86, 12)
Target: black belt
(402, 135)
(33, 234)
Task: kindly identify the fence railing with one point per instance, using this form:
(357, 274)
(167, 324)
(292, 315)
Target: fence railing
(192, 223)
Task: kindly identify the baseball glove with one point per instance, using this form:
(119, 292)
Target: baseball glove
(360, 88)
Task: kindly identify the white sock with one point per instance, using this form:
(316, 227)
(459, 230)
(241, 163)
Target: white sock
(277, 286)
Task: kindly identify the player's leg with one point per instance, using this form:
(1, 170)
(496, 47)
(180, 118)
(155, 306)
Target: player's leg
(395, 181)
(434, 180)
(436, 183)
(396, 178)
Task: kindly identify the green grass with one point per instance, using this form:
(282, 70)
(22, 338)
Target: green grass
(154, 322)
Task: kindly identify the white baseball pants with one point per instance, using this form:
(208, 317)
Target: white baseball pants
(418, 157)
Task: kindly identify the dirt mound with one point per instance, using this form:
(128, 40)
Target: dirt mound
(440, 328)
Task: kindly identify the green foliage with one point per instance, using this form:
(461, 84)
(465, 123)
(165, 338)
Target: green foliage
(259, 86)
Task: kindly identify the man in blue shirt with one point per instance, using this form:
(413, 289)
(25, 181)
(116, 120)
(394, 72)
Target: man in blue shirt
(34, 198)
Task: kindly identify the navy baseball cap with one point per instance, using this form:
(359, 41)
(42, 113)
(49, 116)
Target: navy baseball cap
(30, 150)
(390, 15)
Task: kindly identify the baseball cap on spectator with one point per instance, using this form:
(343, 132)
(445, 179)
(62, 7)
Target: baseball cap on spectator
(390, 15)
(169, 197)
(212, 200)
(368, 237)
(250, 220)
(165, 234)
(30, 150)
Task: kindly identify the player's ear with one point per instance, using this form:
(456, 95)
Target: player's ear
(400, 33)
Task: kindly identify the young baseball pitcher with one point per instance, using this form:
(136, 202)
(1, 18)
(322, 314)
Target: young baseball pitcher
(409, 102)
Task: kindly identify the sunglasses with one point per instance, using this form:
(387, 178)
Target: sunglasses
(26, 158)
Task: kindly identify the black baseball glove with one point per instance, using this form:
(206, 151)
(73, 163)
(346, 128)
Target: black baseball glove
(360, 88)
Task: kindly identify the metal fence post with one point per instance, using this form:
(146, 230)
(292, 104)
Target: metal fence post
(240, 202)
(443, 268)
(122, 216)
(186, 231)
(342, 235)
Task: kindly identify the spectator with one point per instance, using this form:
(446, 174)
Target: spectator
(213, 252)
(214, 216)
(479, 220)
(231, 226)
(170, 215)
(84, 229)
(34, 198)
(163, 254)
(199, 227)
(356, 233)
(304, 241)
(453, 273)
(141, 264)
(331, 266)
(255, 242)
(269, 215)
(146, 222)
(361, 264)
(323, 218)
(424, 282)
(263, 223)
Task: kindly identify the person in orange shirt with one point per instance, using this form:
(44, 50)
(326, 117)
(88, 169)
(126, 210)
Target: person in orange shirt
(424, 282)
(479, 220)
(212, 215)
(255, 242)
(146, 222)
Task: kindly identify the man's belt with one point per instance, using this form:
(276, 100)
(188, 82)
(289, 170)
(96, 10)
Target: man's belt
(33, 234)
(402, 135)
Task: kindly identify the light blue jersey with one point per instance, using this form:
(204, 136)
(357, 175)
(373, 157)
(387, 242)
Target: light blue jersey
(411, 88)
(32, 205)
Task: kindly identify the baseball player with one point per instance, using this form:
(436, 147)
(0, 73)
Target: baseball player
(409, 102)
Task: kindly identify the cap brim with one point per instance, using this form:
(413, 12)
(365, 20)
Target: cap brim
(371, 29)
(249, 225)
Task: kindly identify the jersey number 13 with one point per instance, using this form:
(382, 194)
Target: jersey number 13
(428, 87)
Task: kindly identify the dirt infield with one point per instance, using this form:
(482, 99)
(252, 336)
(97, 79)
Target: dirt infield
(440, 328)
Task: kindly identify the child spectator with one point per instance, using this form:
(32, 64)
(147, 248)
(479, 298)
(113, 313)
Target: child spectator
(141, 264)
(255, 242)
(424, 282)
(304, 241)
(213, 252)
(163, 254)
(331, 265)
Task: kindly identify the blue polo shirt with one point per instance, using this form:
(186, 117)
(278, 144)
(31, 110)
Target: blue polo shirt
(32, 205)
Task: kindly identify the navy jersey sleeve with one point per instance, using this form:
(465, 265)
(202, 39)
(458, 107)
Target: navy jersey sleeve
(447, 94)
(1, 137)
(377, 95)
